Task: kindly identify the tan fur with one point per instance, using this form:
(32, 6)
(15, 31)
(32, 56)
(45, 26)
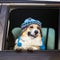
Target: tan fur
(30, 42)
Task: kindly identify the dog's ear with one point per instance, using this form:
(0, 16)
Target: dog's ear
(23, 30)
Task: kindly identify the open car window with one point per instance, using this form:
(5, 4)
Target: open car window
(47, 15)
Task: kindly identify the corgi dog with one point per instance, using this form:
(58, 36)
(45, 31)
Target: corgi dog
(30, 39)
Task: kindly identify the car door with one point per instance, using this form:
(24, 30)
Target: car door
(13, 55)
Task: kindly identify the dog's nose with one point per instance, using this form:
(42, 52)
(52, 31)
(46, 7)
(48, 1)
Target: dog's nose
(36, 32)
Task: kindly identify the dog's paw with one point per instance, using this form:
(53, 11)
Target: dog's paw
(30, 50)
(18, 50)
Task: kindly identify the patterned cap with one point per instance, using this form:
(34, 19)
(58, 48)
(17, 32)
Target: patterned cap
(30, 21)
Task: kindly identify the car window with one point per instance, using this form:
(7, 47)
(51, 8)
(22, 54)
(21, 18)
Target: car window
(48, 17)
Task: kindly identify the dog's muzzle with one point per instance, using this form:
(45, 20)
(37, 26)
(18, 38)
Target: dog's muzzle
(33, 34)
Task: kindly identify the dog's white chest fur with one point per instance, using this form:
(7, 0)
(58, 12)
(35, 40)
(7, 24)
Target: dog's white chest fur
(29, 42)
(32, 41)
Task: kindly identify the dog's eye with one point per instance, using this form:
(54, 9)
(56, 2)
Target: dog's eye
(31, 26)
(38, 28)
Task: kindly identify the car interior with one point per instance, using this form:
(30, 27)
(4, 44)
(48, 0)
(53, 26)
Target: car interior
(12, 15)
(47, 15)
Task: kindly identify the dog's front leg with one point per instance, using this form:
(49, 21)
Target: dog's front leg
(16, 47)
(18, 44)
(34, 48)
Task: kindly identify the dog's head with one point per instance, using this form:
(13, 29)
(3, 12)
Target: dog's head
(33, 30)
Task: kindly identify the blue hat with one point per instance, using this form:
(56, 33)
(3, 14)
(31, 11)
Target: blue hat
(30, 21)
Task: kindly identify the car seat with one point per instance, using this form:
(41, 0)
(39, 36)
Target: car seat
(48, 34)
